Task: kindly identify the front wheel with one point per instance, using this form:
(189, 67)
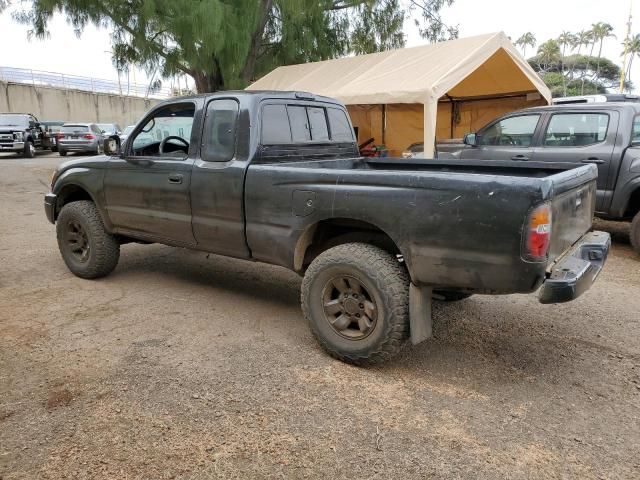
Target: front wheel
(356, 299)
(62, 153)
(86, 247)
(29, 149)
(634, 234)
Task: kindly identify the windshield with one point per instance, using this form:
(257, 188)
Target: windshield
(107, 127)
(13, 120)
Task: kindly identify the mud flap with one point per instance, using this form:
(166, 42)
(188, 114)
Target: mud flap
(420, 318)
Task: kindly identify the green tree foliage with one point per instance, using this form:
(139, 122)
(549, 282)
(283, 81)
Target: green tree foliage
(576, 75)
(226, 44)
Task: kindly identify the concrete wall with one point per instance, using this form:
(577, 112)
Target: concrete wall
(48, 103)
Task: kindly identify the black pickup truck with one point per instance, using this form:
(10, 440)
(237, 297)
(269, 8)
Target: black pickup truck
(22, 133)
(276, 177)
(563, 136)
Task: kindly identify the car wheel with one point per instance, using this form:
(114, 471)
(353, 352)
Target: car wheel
(450, 295)
(356, 299)
(86, 247)
(29, 149)
(62, 153)
(634, 234)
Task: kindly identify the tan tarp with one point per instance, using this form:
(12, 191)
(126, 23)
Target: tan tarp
(411, 81)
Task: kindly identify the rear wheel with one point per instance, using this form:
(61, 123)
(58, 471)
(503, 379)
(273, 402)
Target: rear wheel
(634, 235)
(356, 299)
(29, 149)
(62, 153)
(86, 247)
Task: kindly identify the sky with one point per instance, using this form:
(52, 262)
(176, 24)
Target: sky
(90, 54)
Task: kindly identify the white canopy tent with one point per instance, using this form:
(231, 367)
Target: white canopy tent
(486, 69)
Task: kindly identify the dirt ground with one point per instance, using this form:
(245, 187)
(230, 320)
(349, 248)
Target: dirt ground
(183, 366)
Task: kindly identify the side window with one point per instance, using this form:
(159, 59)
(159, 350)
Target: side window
(576, 129)
(318, 123)
(512, 131)
(275, 125)
(173, 120)
(220, 129)
(635, 132)
(300, 131)
(339, 124)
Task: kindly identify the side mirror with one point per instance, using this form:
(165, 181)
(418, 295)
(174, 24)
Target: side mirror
(111, 147)
(471, 139)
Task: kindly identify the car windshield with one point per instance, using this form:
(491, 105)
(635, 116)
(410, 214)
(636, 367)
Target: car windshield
(107, 127)
(13, 120)
(74, 129)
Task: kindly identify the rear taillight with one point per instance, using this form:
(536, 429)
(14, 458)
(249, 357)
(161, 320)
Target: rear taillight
(88, 136)
(538, 235)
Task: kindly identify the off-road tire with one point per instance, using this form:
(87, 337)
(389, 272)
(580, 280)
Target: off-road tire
(29, 150)
(634, 234)
(104, 249)
(450, 295)
(384, 278)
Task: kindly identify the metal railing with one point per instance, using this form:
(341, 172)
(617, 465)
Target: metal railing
(89, 84)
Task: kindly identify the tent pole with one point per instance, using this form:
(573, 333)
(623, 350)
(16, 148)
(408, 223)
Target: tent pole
(384, 124)
(429, 128)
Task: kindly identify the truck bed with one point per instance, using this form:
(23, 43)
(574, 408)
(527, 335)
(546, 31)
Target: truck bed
(458, 224)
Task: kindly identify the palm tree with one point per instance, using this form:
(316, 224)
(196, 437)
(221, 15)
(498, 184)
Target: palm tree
(548, 53)
(632, 47)
(526, 40)
(566, 39)
(580, 39)
(600, 31)
(583, 39)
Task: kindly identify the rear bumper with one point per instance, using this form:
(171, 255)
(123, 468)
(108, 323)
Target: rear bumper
(50, 206)
(577, 269)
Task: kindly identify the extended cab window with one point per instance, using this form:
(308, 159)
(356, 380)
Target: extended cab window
(576, 129)
(166, 133)
(284, 124)
(635, 132)
(339, 124)
(512, 131)
(220, 129)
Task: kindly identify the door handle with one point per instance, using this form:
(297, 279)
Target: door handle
(592, 160)
(175, 178)
(520, 157)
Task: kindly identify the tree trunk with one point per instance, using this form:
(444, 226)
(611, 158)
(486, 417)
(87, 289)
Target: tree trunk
(597, 77)
(208, 82)
(564, 80)
(256, 40)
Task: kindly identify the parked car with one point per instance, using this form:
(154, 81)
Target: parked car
(21, 133)
(276, 177)
(51, 129)
(125, 133)
(80, 137)
(560, 137)
(110, 129)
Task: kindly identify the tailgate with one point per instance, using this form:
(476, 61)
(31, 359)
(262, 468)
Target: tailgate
(572, 205)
